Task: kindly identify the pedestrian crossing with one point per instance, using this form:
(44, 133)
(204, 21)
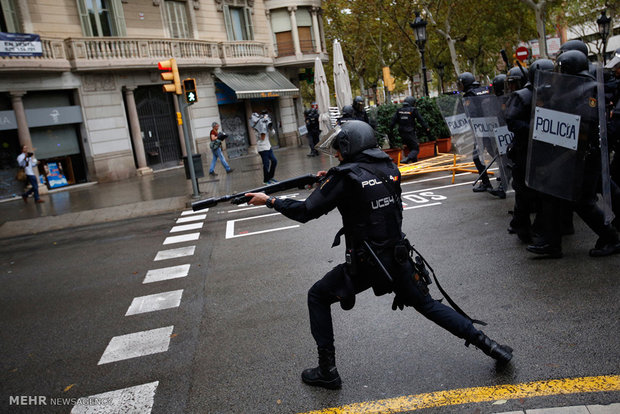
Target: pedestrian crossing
(140, 398)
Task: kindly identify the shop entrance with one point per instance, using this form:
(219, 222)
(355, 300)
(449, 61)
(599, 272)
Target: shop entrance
(234, 124)
(9, 150)
(160, 135)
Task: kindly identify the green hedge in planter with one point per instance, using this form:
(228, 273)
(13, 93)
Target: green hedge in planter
(381, 117)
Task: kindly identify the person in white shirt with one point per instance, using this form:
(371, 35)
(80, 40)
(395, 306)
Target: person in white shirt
(262, 124)
(27, 160)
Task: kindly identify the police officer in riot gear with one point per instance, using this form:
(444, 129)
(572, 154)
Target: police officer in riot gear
(347, 115)
(365, 188)
(516, 79)
(518, 115)
(468, 85)
(575, 63)
(314, 130)
(405, 117)
(497, 86)
(358, 110)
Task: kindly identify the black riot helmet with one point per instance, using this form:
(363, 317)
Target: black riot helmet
(498, 84)
(573, 45)
(466, 81)
(347, 111)
(515, 79)
(353, 138)
(410, 100)
(358, 103)
(545, 65)
(572, 62)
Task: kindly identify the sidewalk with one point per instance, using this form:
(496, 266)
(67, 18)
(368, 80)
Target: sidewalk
(159, 193)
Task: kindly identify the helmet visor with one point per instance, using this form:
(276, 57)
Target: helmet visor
(326, 144)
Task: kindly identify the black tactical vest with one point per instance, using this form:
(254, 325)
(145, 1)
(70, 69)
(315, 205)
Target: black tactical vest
(374, 209)
(406, 119)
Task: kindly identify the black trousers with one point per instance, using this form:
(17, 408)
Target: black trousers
(337, 284)
(411, 141)
(313, 139)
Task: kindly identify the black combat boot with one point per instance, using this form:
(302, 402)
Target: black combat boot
(325, 375)
(502, 353)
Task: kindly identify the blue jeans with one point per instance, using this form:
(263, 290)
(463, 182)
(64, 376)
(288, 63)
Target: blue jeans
(218, 154)
(32, 179)
(268, 170)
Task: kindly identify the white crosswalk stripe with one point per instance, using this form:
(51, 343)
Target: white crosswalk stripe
(138, 400)
(175, 253)
(194, 217)
(158, 301)
(186, 227)
(182, 238)
(137, 344)
(166, 273)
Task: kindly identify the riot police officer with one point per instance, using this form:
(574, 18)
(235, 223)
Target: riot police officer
(518, 115)
(347, 115)
(405, 117)
(468, 85)
(575, 63)
(497, 86)
(314, 129)
(358, 110)
(365, 188)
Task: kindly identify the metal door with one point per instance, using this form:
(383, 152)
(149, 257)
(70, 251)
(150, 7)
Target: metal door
(157, 119)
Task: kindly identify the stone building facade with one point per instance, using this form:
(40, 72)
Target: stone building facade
(80, 81)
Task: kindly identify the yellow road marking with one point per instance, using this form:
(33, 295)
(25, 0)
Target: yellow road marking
(479, 394)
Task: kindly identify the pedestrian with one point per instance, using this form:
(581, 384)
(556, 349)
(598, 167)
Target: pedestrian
(359, 113)
(314, 129)
(405, 117)
(216, 149)
(27, 161)
(365, 188)
(263, 125)
(468, 85)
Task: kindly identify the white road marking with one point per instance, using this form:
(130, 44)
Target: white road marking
(190, 212)
(194, 217)
(166, 273)
(182, 238)
(230, 227)
(138, 400)
(420, 206)
(174, 253)
(186, 227)
(158, 301)
(137, 344)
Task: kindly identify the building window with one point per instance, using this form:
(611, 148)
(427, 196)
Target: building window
(238, 20)
(304, 29)
(281, 27)
(178, 23)
(9, 21)
(102, 17)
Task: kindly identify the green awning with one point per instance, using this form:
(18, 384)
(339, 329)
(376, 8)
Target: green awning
(258, 84)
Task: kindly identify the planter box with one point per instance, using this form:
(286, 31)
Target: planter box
(427, 150)
(444, 145)
(394, 154)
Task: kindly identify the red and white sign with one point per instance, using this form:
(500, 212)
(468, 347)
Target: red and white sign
(522, 53)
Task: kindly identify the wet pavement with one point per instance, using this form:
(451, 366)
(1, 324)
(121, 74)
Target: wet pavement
(158, 193)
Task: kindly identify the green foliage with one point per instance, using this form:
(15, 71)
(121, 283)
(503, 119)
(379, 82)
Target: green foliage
(381, 117)
(430, 112)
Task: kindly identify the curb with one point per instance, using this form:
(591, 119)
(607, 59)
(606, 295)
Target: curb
(97, 216)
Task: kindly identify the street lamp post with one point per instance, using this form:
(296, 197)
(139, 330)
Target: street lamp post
(419, 29)
(604, 23)
(440, 68)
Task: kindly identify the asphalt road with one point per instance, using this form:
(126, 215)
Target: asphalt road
(238, 338)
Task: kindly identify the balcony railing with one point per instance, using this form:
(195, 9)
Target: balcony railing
(95, 53)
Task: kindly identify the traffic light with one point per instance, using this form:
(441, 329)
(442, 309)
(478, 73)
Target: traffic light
(171, 74)
(189, 90)
(388, 79)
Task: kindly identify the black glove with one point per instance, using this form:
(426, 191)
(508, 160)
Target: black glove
(398, 303)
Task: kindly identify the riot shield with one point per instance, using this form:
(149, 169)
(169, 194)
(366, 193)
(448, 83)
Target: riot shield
(605, 174)
(563, 132)
(451, 108)
(486, 117)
